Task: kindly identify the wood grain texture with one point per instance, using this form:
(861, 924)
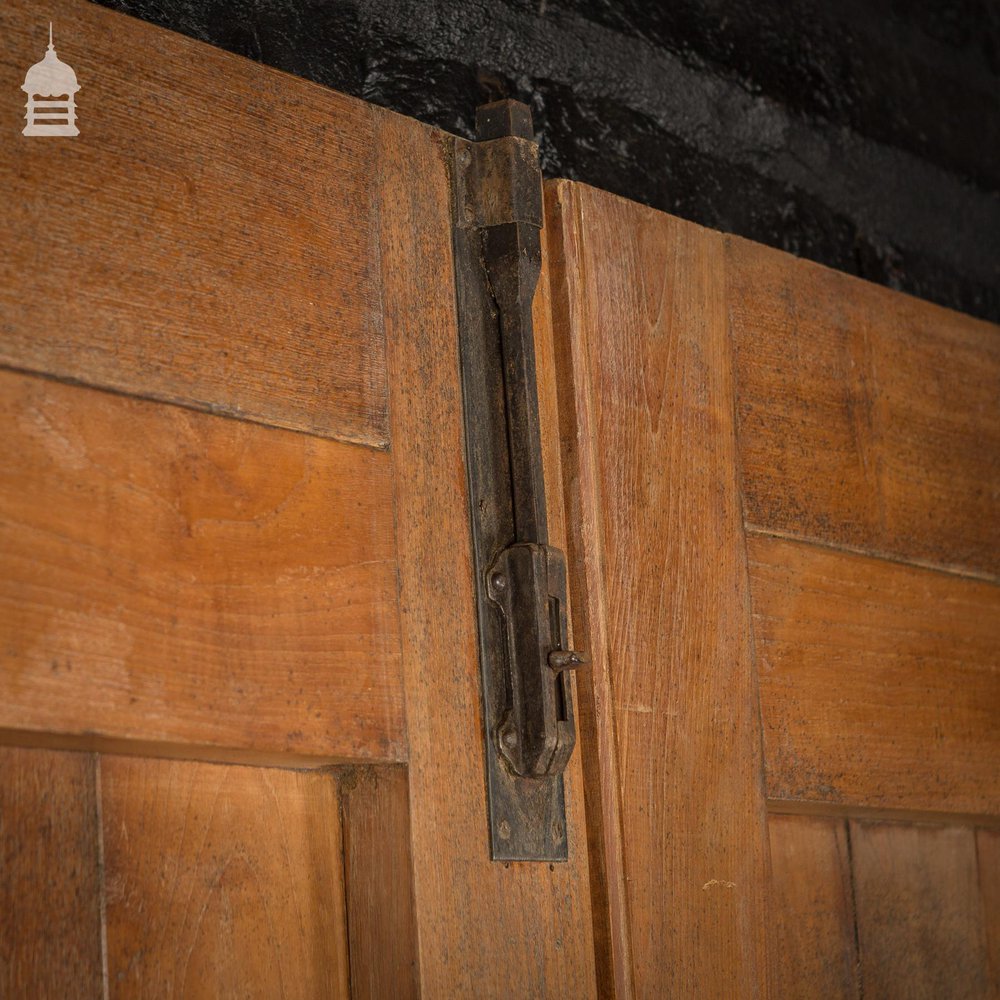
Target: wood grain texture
(378, 880)
(179, 577)
(485, 929)
(561, 286)
(50, 902)
(879, 682)
(812, 942)
(222, 881)
(918, 910)
(201, 243)
(988, 860)
(868, 419)
(654, 392)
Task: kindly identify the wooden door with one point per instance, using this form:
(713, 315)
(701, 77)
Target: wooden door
(239, 703)
(240, 714)
(785, 539)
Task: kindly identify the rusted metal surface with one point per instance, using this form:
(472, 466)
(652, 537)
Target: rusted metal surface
(520, 579)
(536, 734)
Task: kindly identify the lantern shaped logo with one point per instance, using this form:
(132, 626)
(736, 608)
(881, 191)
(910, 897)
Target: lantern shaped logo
(51, 88)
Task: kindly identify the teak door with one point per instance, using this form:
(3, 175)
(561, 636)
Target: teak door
(239, 683)
(785, 486)
(240, 706)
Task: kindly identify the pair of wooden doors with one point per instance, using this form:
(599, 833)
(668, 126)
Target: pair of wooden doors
(239, 690)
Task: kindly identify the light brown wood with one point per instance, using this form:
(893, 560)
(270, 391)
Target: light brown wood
(269, 581)
(868, 419)
(222, 881)
(50, 902)
(595, 720)
(378, 877)
(812, 943)
(835, 810)
(484, 929)
(988, 861)
(652, 375)
(171, 576)
(919, 912)
(209, 244)
(559, 289)
(879, 682)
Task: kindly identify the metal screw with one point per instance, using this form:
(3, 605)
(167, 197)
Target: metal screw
(509, 739)
(504, 830)
(558, 832)
(499, 581)
(465, 157)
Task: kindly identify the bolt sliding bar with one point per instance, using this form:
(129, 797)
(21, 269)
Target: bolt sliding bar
(520, 579)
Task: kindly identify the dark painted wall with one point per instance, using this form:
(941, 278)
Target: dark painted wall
(864, 134)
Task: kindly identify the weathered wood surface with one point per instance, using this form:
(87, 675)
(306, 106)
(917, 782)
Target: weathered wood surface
(209, 237)
(484, 929)
(180, 578)
(988, 859)
(811, 927)
(868, 419)
(667, 580)
(879, 682)
(919, 912)
(50, 878)
(378, 883)
(222, 881)
(557, 303)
